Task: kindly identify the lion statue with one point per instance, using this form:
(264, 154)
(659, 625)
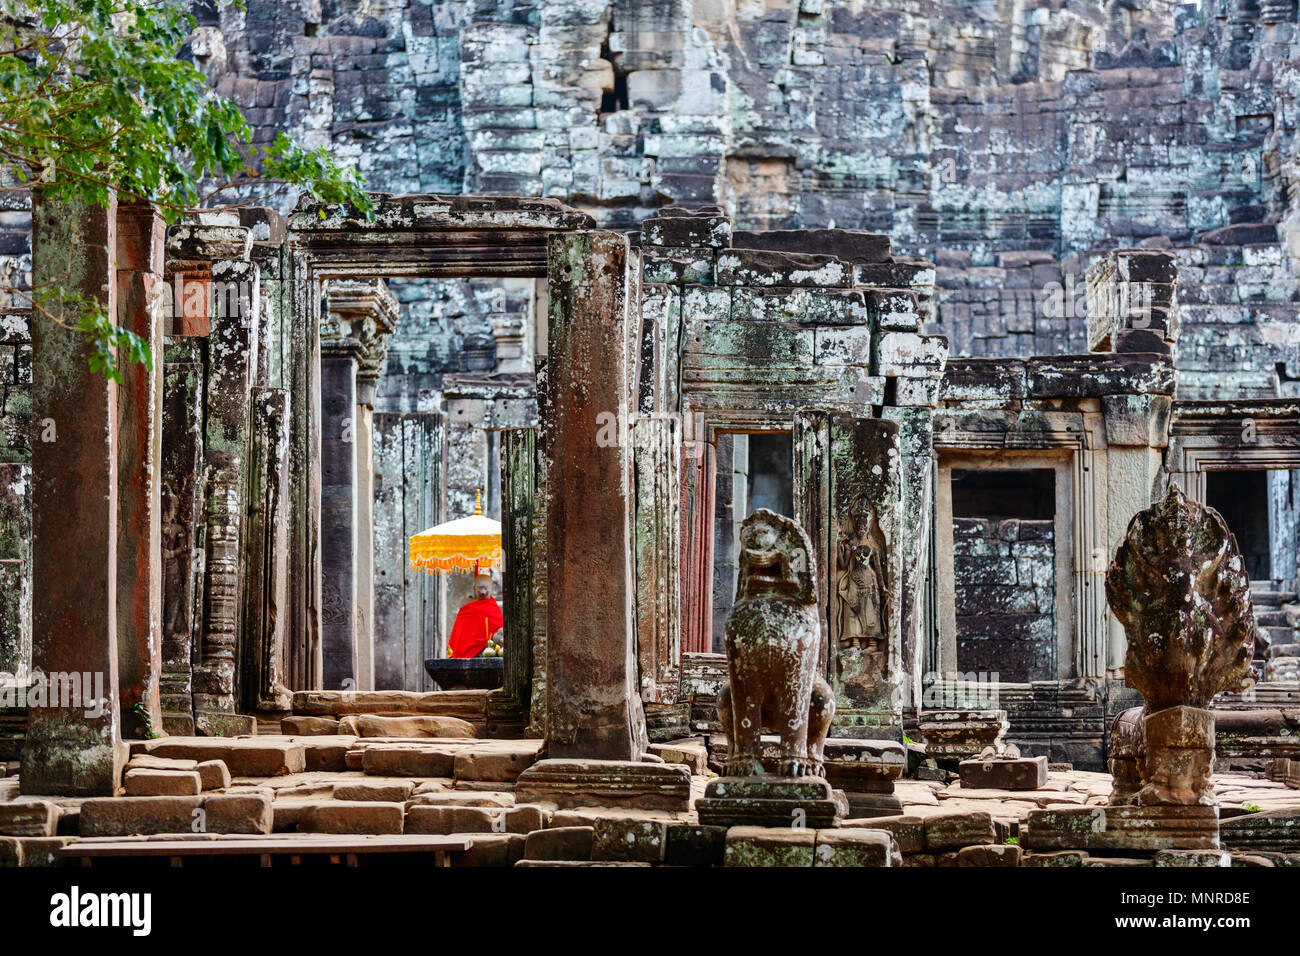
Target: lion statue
(773, 639)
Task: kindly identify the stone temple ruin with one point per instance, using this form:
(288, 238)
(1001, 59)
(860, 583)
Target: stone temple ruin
(858, 388)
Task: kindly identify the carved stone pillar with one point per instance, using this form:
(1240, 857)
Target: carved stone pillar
(362, 314)
(140, 235)
(216, 245)
(847, 496)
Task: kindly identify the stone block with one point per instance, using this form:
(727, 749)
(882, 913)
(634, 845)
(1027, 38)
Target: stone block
(680, 229)
(855, 846)
(213, 774)
(769, 846)
(995, 855)
(328, 753)
(352, 816)
(1058, 858)
(560, 843)
(421, 725)
(1004, 773)
(386, 791)
(405, 760)
(769, 801)
(1192, 858)
(492, 849)
(461, 819)
(908, 831)
(162, 783)
(752, 267)
(689, 844)
(125, 816)
(300, 725)
(28, 818)
(497, 765)
(693, 756)
(245, 757)
(952, 831)
(629, 839)
(614, 783)
(238, 813)
(1122, 828)
(40, 851)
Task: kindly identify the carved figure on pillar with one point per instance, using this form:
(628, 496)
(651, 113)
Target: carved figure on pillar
(860, 580)
(773, 639)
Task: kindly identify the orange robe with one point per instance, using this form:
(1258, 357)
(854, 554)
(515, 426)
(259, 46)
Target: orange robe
(475, 622)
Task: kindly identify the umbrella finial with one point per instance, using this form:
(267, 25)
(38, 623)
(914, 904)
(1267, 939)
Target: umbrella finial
(478, 501)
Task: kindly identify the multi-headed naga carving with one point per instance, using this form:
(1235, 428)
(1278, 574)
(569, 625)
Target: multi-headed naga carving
(1179, 586)
(773, 639)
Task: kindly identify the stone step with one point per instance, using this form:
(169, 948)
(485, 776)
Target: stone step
(470, 705)
(1270, 598)
(1271, 618)
(215, 813)
(244, 756)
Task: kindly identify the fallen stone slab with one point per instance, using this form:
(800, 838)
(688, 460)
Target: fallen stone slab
(1267, 830)
(245, 757)
(457, 798)
(150, 762)
(408, 760)
(387, 791)
(1004, 773)
(300, 725)
(352, 816)
(379, 725)
(29, 818)
(855, 846)
(769, 846)
(162, 783)
(452, 819)
(1214, 858)
(1056, 858)
(124, 816)
(695, 756)
(560, 843)
(466, 704)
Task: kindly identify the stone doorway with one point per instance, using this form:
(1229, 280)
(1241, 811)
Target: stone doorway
(754, 470)
(1004, 574)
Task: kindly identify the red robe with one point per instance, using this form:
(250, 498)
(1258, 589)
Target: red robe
(475, 622)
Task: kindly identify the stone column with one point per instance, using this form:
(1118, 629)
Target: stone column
(848, 498)
(73, 745)
(595, 726)
(217, 246)
(362, 314)
(182, 529)
(140, 235)
(595, 705)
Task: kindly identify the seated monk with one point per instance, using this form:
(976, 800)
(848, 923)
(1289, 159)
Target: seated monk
(476, 621)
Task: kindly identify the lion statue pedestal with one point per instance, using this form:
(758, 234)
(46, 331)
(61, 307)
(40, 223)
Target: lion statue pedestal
(773, 640)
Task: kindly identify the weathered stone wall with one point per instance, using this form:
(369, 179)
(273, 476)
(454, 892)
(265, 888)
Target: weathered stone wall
(15, 492)
(1005, 590)
(1003, 139)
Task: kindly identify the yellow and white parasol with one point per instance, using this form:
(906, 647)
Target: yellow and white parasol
(471, 545)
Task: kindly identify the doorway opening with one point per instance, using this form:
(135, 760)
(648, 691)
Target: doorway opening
(754, 470)
(1004, 572)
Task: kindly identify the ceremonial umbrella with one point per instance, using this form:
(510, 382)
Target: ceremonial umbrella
(470, 544)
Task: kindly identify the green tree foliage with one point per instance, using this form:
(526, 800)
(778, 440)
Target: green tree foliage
(94, 101)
